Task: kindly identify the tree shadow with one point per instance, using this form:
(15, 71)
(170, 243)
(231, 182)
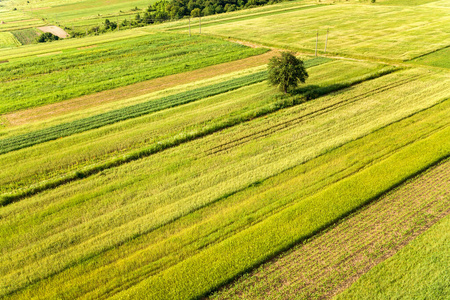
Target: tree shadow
(313, 91)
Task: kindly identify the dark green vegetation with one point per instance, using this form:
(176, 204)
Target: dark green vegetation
(286, 71)
(109, 66)
(26, 36)
(47, 37)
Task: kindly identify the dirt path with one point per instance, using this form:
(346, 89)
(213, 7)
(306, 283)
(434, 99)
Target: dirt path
(138, 89)
(331, 262)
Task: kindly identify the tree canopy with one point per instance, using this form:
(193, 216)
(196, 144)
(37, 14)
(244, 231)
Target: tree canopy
(286, 71)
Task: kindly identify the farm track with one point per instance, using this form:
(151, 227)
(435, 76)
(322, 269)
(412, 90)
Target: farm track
(304, 118)
(332, 261)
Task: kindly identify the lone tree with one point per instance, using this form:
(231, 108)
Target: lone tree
(286, 71)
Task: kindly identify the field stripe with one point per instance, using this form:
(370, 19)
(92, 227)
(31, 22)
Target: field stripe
(246, 249)
(134, 111)
(334, 260)
(376, 144)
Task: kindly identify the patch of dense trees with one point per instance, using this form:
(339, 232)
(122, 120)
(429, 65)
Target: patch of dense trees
(166, 10)
(47, 37)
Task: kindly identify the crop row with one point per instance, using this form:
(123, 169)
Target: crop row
(139, 197)
(217, 265)
(109, 66)
(373, 38)
(325, 265)
(134, 111)
(141, 258)
(156, 132)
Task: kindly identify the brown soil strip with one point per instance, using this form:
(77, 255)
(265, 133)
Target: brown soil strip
(3, 61)
(59, 32)
(138, 89)
(331, 262)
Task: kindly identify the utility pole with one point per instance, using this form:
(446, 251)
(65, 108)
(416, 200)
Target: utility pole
(317, 40)
(326, 41)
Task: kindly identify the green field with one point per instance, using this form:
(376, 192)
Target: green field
(154, 191)
(419, 271)
(147, 163)
(371, 34)
(8, 40)
(125, 62)
(26, 36)
(329, 262)
(440, 58)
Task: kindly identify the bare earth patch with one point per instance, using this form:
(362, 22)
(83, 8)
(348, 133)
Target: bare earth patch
(138, 89)
(331, 262)
(59, 32)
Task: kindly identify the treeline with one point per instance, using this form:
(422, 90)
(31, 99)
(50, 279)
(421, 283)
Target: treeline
(164, 10)
(176, 9)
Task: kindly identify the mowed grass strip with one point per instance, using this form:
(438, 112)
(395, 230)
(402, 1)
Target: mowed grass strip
(332, 261)
(418, 271)
(363, 31)
(8, 40)
(440, 58)
(144, 195)
(217, 265)
(150, 253)
(109, 65)
(58, 131)
(156, 132)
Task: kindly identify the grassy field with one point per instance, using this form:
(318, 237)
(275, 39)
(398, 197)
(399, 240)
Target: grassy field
(146, 163)
(419, 271)
(407, 33)
(26, 36)
(110, 65)
(137, 198)
(440, 58)
(8, 40)
(47, 161)
(331, 262)
(81, 13)
(15, 19)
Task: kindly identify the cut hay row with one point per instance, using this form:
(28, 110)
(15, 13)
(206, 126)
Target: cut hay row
(138, 198)
(109, 66)
(423, 30)
(8, 40)
(216, 265)
(111, 117)
(331, 262)
(147, 135)
(420, 270)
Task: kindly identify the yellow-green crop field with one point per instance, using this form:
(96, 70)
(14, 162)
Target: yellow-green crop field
(384, 32)
(7, 40)
(118, 181)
